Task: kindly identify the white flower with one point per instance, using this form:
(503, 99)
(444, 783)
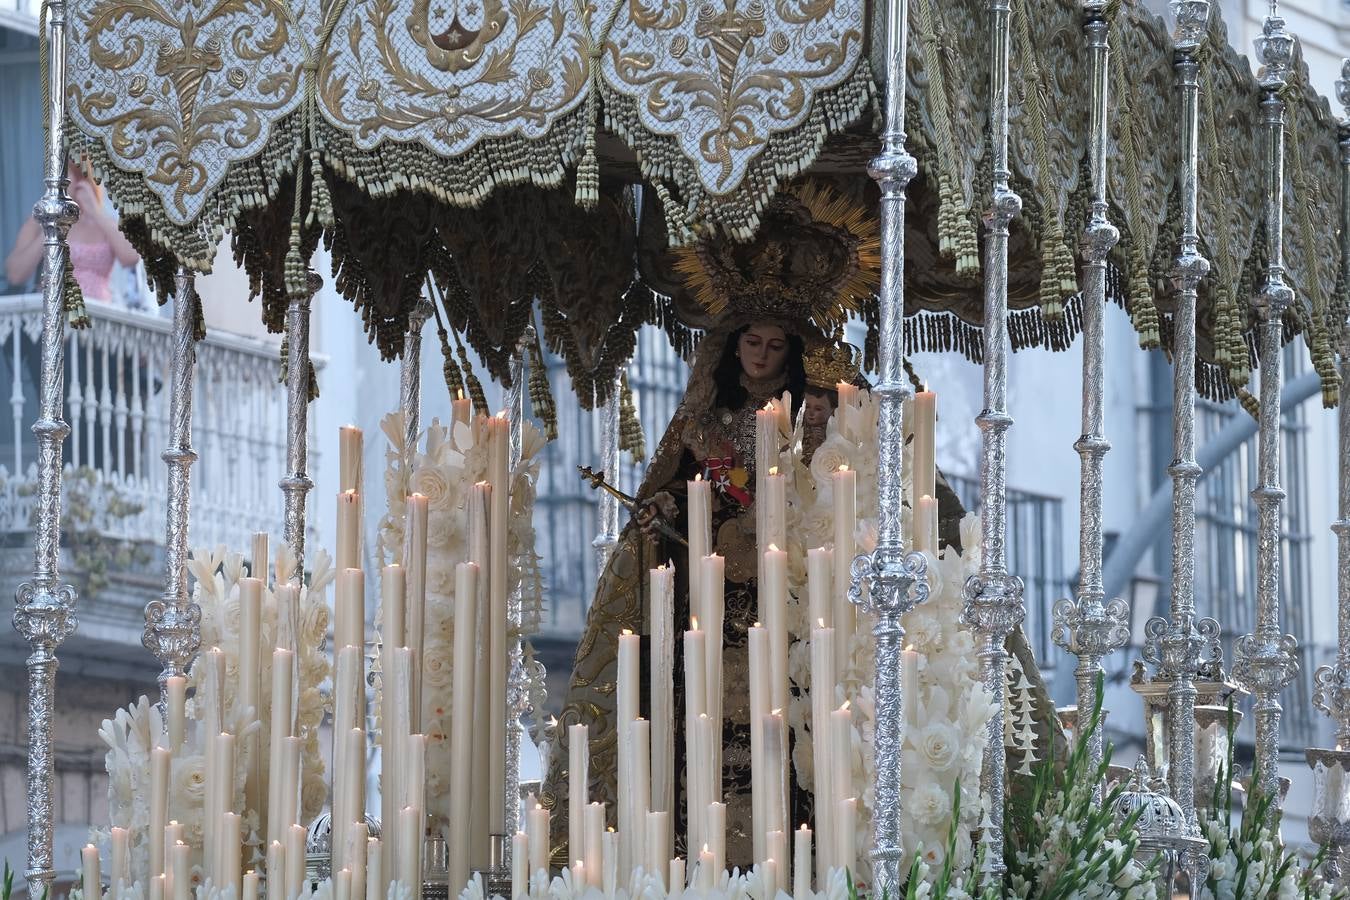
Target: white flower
(930, 804)
(432, 482)
(938, 745)
(436, 666)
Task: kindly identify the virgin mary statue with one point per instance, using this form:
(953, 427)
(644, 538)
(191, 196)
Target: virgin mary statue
(774, 302)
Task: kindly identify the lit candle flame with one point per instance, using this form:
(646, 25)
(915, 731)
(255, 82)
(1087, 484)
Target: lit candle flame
(773, 548)
(843, 467)
(693, 623)
(845, 706)
(773, 470)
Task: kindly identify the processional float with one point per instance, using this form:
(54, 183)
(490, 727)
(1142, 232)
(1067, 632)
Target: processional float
(489, 171)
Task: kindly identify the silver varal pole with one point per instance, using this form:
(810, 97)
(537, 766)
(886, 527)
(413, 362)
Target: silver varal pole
(410, 376)
(993, 597)
(517, 700)
(173, 621)
(1265, 661)
(608, 537)
(1092, 627)
(296, 484)
(889, 581)
(44, 608)
(1175, 647)
(1332, 694)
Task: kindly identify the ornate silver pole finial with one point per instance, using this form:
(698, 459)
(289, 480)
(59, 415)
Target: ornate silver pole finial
(173, 622)
(1092, 628)
(1265, 661)
(889, 580)
(296, 484)
(44, 608)
(993, 598)
(1177, 648)
(1332, 683)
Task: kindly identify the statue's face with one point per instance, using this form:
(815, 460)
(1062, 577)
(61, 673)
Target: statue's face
(763, 350)
(816, 410)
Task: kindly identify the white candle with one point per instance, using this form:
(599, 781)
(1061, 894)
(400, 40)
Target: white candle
(848, 396)
(846, 823)
(462, 720)
(357, 841)
(676, 875)
(593, 843)
(157, 889)
(409, 873)
(819, 584)
(182, 870)
(707, 878)
(354, 787)
(695, 696)
(281, 729)
(801, 864)
(230, 851)
(120, 838)
(662, 689)
(394, 707)
(159, 807)
(290, 785)
(758, 641)
(415, 563)
(461, 410)
(224, 798)
(348, 554)
(92, 883)
(276, 871)
(349, 457)
(342, 884)
(628, 688)
(377, 888)
(713, 574)
(295, 860)
(716, 832)
(823, 677)
(579, 876)
(841, 760)
(499, 557)
(926, 525)
(536, 825)
(479, 503)
(250, 888)
(844, 486)
(778, 853)
(250, 685)
(349, 613)
(773, 596)
(393, 605)
(775, 509)
(520, 865)
(775, 777)
(769, 874)
(639, 741)
(288, 617)
(175, 698)
(213, 697)
(610, 861)
(700, 540)
(347, 686)
(174, 833)
(925, 440)
(658, 843)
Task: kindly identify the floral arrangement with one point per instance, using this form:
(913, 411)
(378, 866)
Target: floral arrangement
(733, 885)
(134, 730)
(444, 469)
(943, 745)
(1248, 860)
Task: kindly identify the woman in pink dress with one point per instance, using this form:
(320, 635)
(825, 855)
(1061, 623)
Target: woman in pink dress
(95, 244)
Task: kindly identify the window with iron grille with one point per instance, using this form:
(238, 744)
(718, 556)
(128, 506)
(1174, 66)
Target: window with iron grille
(1226, 538)
(1035, 554)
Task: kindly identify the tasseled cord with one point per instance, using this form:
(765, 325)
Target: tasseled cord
(588, 168)
(630, 426)
(541, 393)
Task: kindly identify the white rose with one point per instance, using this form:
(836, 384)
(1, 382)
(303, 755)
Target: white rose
(938, 743)
(431, 482)
(436, 665)
(189, 780)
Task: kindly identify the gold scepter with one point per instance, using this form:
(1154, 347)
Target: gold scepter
(597, 481)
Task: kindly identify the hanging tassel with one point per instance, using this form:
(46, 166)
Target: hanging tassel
(475, 387)
(73, 298)
(630, 427)
(541, 394)
(320, 201)
(454, 379)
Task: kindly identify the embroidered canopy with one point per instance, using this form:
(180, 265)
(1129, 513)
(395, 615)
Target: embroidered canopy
(493, 147)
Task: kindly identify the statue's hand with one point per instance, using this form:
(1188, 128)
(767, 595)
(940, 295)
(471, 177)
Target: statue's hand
(659, 506)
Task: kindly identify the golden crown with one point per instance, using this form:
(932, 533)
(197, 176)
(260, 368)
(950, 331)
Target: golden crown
(830, 364)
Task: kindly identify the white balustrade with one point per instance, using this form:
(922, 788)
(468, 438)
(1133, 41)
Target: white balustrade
(116, 381)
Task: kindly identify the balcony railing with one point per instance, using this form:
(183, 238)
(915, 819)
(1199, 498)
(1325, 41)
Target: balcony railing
(116, 402)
